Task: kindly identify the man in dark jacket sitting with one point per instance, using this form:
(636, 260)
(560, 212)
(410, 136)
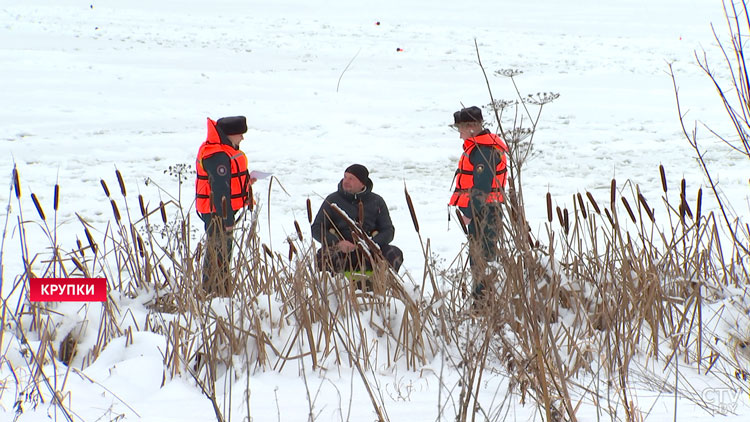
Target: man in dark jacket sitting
(355, 205)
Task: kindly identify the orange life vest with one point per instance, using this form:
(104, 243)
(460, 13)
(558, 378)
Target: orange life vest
(240, 180)
(465, 174)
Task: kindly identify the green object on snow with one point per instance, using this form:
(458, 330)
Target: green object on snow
(357, 275)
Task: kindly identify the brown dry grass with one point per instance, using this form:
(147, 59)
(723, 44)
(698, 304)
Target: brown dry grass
(616, 284)
(609, 284)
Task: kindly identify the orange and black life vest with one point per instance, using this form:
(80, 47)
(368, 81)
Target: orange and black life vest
(464, 180)
(240, 178)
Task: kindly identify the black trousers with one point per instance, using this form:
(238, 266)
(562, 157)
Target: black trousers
(217, 257)
(328, 259)
(484, 233)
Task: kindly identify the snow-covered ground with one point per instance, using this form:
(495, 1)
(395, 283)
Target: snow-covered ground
(90, 87)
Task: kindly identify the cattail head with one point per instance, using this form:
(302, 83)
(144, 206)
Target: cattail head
(115, 210)
(461, 221)
(267, 251)
(225, 207)
(413, 214)
(142, 207)
(645, 206)
(120, 182)
(687, 209)
(627, 208)
(609, 217)
(38, 207)
(593, 202)
(92, 244)
(16, 183)
(663, 178)
(309, 211)
(104, 186)
(682, 212)
(163, 212)
(139, 243)
(682, 188)
(78, 265)
(57, 196)
(698, 206)
(549, 207)
(581, 204)
(298, 229)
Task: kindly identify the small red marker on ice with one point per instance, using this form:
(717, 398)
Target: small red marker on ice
(399, 49)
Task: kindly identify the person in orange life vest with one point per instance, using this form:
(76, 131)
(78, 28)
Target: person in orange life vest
(479, 183)
(339, 252)
(222, 187)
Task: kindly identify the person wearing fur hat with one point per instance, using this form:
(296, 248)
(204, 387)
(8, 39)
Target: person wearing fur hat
(222, 187)
(341, 249)
(479, 187)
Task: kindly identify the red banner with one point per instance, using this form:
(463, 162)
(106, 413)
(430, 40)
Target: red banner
(68, 289)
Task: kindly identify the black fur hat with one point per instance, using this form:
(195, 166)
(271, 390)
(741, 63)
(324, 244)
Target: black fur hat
(471, 114)
(234, 125)
(360, 172)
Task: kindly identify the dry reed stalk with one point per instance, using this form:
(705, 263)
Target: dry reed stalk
(646, 272)
(45, 345)
(425, 248)
(622, 270)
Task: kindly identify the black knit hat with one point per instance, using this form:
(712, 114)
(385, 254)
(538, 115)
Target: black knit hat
(471, 114)
(234, 125)
(360, 172)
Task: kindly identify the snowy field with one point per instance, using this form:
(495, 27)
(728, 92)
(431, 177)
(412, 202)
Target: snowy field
(90, 87)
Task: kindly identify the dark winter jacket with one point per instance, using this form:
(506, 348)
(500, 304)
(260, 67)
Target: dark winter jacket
(376, 223)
